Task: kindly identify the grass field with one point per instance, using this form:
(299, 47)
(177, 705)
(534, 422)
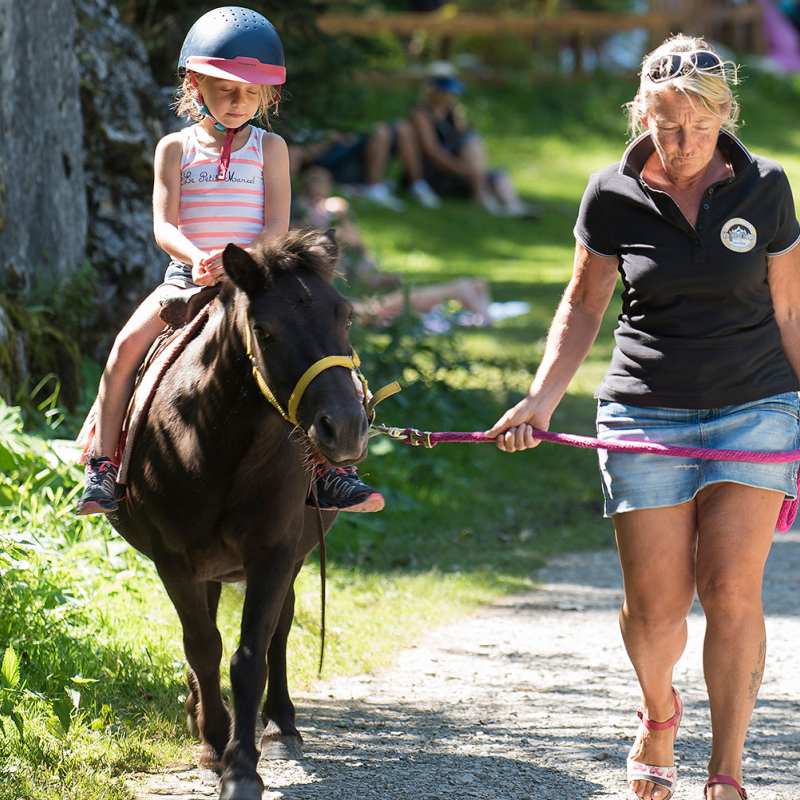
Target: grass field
(91, 678)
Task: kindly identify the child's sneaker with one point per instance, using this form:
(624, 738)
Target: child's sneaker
(340, 489)
(100, 493)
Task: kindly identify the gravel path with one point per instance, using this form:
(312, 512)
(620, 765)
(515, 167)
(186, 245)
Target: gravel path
(532, 698)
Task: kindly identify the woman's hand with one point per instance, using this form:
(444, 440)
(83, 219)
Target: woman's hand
(208, 270)
(514, 430)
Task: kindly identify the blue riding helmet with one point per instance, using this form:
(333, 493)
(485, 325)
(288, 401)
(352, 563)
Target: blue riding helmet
(236, 44)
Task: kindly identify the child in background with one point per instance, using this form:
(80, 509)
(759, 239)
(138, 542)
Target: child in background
(220, 180)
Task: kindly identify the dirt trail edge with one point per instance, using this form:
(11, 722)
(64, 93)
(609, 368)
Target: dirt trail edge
(532, 698)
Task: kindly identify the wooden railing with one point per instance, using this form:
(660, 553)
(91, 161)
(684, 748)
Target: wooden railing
(737, 24)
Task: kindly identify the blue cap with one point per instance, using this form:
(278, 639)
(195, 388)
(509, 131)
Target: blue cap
(452, 85)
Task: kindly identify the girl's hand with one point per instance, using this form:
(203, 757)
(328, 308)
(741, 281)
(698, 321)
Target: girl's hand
(514, 430)
(208, 270)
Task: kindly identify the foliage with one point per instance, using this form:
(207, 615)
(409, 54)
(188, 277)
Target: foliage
(73, 678)
(318, 66)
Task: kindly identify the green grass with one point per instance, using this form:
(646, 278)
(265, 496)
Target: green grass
(91, 681)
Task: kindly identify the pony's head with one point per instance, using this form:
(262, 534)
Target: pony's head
(295, 326)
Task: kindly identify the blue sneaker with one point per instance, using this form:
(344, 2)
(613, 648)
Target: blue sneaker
(100, 493)
(340, 489)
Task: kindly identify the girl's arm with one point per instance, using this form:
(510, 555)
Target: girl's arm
(783, 276)
(571, 335)
(166, 202)
(277, 190)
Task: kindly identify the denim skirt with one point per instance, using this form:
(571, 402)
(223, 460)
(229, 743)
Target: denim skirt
(643, 480)
(179, 274)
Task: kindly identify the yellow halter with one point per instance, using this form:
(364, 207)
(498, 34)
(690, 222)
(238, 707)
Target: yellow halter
(351, 362)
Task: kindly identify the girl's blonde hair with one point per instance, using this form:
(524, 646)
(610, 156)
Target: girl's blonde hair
(190, 92)
(710, 87)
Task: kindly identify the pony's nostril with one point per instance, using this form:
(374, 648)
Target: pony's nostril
(326, 430)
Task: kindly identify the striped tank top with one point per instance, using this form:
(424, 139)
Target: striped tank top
(213, 213)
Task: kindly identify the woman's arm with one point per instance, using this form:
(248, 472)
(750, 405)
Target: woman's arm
(572, 333)
(783, 276)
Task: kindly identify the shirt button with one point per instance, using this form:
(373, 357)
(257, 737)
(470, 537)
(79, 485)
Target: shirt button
(697, 243)
(706, 206)
(700, 227)
(711, 191)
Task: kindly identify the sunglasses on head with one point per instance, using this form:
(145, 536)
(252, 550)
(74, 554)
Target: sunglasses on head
(663, 68)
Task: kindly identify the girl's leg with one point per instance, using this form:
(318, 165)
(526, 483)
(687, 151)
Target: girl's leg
(657, 555)
(119, 375)
(735, 528)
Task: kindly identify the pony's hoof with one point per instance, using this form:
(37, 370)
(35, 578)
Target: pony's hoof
(241, 789)
(281, 748)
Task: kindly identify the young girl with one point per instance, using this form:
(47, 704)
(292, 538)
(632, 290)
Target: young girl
(220, 180)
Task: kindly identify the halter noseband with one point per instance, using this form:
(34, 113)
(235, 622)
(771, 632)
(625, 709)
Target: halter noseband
(350, 362)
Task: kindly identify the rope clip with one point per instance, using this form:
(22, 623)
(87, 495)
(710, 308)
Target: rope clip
(409, 435)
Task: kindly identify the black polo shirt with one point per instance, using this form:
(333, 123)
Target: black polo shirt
(697, 328)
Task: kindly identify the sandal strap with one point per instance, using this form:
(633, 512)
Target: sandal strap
(663, 776)
(726, 780)
(661, 726)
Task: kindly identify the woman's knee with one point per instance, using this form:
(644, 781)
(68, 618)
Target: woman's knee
(730, 593)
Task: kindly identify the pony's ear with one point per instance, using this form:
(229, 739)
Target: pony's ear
(242, 269)
(326, 245)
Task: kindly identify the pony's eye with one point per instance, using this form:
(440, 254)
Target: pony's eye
(262, 335)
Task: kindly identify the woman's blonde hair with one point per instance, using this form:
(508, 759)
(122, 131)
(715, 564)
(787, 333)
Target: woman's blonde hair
(711, 87)
(190, 94)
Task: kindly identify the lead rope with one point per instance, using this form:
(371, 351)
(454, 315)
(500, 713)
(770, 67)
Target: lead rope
(323, 563)
(788, 510)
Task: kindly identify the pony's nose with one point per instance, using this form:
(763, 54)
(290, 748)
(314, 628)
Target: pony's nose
(343, 435)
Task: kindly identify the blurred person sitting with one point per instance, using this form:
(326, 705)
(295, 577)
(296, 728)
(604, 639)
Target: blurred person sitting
(361, 162)
(454, 161)
(314, 206)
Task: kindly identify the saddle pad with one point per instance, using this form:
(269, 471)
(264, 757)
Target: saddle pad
(161, 356)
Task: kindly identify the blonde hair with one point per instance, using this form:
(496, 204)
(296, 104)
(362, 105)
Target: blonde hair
(190, 94)
(711, 88)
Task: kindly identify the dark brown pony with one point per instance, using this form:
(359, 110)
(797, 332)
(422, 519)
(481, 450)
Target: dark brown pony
(218, 480)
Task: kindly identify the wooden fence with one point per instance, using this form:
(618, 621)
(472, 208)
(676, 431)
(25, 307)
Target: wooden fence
(736, 24)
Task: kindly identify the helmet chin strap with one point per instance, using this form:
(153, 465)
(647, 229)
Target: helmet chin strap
(227, 144)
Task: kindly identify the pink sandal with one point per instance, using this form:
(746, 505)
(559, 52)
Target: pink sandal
(728, 781)
(663, 776)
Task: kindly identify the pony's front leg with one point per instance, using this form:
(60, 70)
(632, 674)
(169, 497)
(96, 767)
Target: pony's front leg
(268, 581)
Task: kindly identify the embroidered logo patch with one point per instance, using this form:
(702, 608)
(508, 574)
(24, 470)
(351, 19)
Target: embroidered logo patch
(739, 235)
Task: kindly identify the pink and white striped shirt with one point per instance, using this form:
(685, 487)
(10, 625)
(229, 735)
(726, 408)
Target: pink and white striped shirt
(213, 213)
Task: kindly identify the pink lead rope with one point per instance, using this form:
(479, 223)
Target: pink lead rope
(788, 509)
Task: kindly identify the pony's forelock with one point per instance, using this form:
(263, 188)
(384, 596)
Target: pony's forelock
(306, 250)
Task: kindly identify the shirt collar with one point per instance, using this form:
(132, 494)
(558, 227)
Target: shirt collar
(641, 148)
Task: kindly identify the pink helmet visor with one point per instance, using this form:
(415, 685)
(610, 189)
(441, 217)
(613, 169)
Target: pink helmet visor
(240, 69)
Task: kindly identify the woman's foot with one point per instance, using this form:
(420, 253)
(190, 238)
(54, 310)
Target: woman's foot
(722, 787)
(651, 771)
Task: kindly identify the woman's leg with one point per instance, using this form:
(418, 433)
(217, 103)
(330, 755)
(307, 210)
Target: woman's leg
(657, 555)
(735, 528)
(116, 384)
